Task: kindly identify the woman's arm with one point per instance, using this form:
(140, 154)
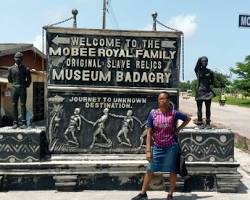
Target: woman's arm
(183, 124)
(148, 144)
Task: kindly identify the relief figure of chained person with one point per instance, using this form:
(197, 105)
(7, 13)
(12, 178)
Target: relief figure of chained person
(127, 126)
(73, 127)
(204, 91)
(99, 131)
(20, 78)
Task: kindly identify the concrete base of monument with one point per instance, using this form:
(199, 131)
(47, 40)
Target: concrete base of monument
(211, 145)
(209, 160)
(113, 172)
(22, 145)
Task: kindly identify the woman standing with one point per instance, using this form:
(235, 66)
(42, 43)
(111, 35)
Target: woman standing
(162, 156)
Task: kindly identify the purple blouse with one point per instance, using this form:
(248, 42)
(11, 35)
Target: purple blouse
(163, 125)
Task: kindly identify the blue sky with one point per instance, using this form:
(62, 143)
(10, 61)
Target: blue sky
(210, 27)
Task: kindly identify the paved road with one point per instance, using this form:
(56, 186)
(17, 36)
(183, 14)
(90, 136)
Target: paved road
(234, 117)
(118, 195)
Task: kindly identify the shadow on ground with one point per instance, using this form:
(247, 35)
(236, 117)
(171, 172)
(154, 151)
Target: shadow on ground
(242, 189)
(185, 197)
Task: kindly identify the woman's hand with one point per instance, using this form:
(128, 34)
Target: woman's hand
(149, 156)
(177, 130)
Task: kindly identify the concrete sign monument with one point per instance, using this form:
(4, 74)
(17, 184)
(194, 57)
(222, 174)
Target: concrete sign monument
(102, 85)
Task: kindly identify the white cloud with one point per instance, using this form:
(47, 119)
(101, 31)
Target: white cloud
(184, 23)
(56, 15)
(37, 42)
(149, 27)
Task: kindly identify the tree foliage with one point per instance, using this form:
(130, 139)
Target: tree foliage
(242, 70)
(221, 80)
(184, 86)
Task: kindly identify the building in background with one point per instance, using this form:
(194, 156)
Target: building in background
(36, 61)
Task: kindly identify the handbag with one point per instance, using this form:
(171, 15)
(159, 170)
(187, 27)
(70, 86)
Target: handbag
(180, 161)
(181, 165)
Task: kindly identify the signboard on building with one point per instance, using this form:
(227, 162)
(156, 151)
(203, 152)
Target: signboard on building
(102, 84)
(244, 20)
(113, 58)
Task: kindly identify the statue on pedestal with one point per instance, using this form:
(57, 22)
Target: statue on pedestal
(204, 91)
(20, 77)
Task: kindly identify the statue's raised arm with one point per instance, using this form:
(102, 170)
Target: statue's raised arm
(197, 66)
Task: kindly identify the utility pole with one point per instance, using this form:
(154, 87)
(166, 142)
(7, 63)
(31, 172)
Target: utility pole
(154, 15)
(74, 13)
(104, 14)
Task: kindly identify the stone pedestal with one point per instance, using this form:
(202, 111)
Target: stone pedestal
(207, 145)
(78, 171)
(210, 160)
(22, 145)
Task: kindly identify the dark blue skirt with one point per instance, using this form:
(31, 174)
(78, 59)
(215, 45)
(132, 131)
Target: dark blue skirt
(164, 159)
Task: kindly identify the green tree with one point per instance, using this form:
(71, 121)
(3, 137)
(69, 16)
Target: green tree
(220, 80)
(242, 70)
(184, 86)
(194, 85)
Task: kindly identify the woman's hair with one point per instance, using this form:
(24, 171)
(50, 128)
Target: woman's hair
(165, 93)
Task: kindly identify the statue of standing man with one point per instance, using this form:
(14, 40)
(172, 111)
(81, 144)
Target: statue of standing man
(20, 77)
(204, 91)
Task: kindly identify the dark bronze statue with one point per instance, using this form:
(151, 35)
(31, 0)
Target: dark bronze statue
(20, 78)
(204, 91)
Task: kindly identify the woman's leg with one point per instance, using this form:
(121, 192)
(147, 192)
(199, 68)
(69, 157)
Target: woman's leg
(172, 183)
(147, 179)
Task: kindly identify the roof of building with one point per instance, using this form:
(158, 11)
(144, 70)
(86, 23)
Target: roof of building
(4, 73)
(3, 76)
(12, 48)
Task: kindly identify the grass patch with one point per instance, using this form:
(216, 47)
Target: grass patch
(241, 143)
(235, 101)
